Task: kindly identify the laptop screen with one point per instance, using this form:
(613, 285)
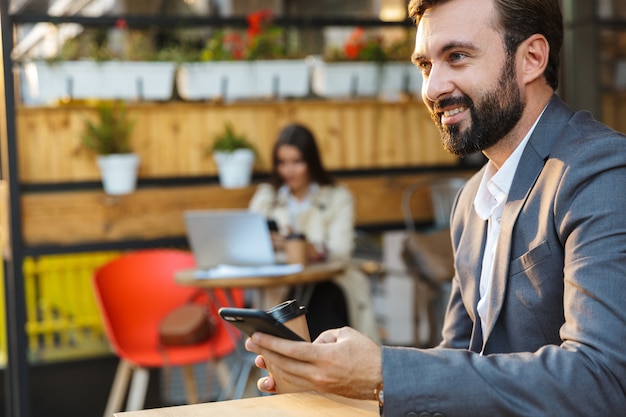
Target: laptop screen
(233, 237)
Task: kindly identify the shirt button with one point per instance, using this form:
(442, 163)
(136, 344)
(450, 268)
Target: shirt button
(438, 415)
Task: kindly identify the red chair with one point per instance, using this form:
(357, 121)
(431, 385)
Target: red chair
(134, 293)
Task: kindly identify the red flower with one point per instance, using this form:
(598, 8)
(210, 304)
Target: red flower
(355, 43)
(121, 24)
(234, 44)
(257, 21)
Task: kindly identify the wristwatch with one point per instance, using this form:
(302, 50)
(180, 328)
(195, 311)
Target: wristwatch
(380, 397)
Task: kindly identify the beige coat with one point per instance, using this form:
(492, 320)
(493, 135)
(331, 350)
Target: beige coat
(329, 221)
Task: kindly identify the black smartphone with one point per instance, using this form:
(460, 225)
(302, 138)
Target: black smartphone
(272, 225)
(250, 320)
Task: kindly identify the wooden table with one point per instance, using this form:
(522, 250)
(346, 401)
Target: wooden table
(305, 404)
(310, 273)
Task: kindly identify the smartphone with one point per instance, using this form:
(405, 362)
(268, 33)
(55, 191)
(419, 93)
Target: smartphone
(272, 225)
(250, 320)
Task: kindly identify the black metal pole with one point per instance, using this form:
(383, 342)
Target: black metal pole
(17, 370)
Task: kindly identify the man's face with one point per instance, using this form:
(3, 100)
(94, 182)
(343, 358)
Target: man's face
(470, 85)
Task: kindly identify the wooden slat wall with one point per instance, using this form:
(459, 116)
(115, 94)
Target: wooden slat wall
(70, 218)
(171, 138)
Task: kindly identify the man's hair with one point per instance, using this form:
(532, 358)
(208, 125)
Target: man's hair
(519, 20)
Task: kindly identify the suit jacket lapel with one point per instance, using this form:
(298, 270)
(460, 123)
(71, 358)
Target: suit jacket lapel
(522, 182)
(478, 227)
(531, 163)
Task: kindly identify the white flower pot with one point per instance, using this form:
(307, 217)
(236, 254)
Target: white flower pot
(119, 173)
(281, 78)
(233, 80)
(125, 80)
(345, 79)
(229, 80)
(400, 77)
(234, 168)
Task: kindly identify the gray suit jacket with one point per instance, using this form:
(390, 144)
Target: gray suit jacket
(556, 334)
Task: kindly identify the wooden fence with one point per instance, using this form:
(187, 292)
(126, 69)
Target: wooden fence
(171, 138)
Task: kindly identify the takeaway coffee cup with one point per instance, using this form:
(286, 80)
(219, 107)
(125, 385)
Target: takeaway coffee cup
(296, 249)
(294, 317)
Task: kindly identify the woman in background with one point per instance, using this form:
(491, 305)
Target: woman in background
(302, 198)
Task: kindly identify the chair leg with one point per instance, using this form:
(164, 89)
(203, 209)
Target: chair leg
(227, 391)
(223, 372)
(118, 389)
(138, 388)
(244, 376)
(190, 384)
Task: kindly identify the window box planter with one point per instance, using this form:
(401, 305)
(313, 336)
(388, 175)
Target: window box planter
(126, 80)
(400, 77)
(233, 80)
(281, 78)
(345, 79)
(229, 80)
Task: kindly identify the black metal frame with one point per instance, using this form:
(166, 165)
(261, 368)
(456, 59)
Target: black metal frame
(190, 21)
(17, 372)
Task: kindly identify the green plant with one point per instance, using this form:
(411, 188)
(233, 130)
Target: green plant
(122, 43)
(401, 49)
(229, 141)
(265, 40)
(91, 44)
(261, 40)
(223, 45)
(110, 133)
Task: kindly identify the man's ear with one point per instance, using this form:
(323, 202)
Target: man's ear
(534, 53)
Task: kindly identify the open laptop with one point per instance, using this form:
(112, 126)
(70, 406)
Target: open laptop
(231, 237)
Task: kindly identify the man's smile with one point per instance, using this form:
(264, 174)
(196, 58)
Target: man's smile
(453, 115)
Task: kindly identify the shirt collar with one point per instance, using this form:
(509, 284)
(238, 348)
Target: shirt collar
(284, 193)
(496, 183)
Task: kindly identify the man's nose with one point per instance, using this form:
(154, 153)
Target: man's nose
(436, 84)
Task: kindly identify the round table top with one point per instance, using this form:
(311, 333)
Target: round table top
(319, 271)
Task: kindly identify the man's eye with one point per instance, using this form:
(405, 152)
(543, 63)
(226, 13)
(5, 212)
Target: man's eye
(424, 66)
(457, 56)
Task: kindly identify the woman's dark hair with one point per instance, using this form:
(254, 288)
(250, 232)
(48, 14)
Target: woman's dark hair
(519, 20)
(303, 139)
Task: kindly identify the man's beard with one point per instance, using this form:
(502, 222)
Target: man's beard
(492, 117)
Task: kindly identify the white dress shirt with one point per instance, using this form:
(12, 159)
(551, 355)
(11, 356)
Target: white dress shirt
(297, 206)
(489, 205)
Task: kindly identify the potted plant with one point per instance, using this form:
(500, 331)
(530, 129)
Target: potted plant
(399, 76)
(96, 64)
(234, 156)
(109, 138)
(351, 69)
(365, 64)
(245, 65)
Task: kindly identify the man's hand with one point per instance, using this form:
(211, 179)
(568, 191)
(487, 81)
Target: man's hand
(340, 361)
